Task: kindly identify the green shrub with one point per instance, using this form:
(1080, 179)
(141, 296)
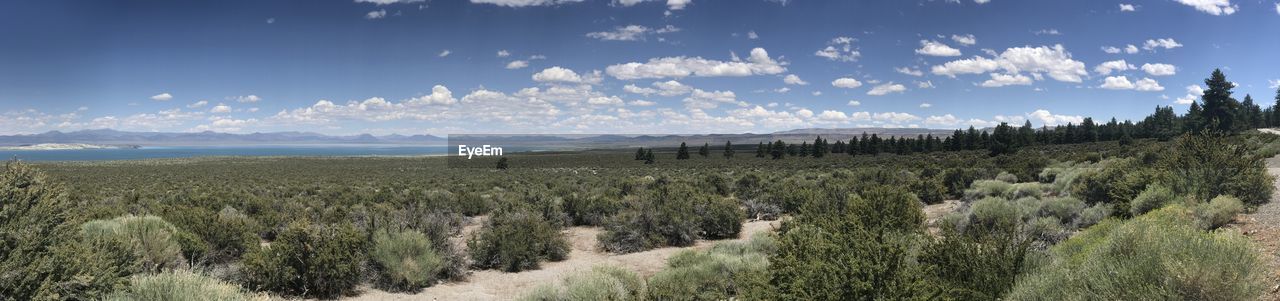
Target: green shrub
(975, 265)
(1152, 198)
(590, 209)
(310, 260)
(993, 213)
(1092, 215)
(721, 273)
(1007, 177)
(406, 259)
(1065, 209)
(720, 217)
(985, 188)
(155, 240)
(666, 215)
(1021, 190)
(180, 285)
(517, 241)
(1156, 256)
(606, 283)
(1208, 166)
(1217, 212)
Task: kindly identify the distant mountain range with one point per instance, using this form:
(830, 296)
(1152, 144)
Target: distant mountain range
(113, 137)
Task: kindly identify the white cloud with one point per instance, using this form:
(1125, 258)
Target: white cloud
(1160, 69)
(1001, 80)
(440, 95)
(1110, 49)
(641, 103)
(758, 63)
(928, 84)
(1273, 83)
(1111, 66)
(559, 74)
(1127, 7)
(220, 108)
(162, 97)
(444, 53)
(1047, 118)
(840, 49)
(1148, 85)
(524, 3)
(1117, 83)
(605, 101)
(792, 79)
(672, 88)
(633, 89)
(1161, 43)
(854, 103)
(909, 71)
(782, 90)
(1278, 8)
(1193, 93)
(1212, 7)
(967, 40)
(677, 4)
(886, 89)
(377, 14)
(926, 105)
(700, 99)
(1054, 61)
(517, 64)
(248, 98)
(198, 104)
(1130, 49)
(752, 35)
(630, 33)
(845, 82)
(503, 53)
(1051, 31)
(935, 48)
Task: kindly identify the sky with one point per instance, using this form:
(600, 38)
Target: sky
(441, 67)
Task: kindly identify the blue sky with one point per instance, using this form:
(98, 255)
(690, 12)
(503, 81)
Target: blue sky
(620, 66)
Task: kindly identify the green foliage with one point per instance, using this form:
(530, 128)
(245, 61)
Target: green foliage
(720, 217)
(153, 239)
(606, 283)
(1208, 166)
(1152, 198)
(180, 286)
(975, 265)
(670, 213)
(406, 259)
(36, 216)
(590, 208)
(1217, 212)
(309, 260)
(722, 273)
(1156, 256)
(516, 241)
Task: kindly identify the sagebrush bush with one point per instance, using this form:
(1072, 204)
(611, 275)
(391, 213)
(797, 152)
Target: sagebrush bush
(605, 283)
(1007, 177)
(1064, 209)
(1209, 166)
(590, 209)
(720, 217)
(1021, 190)
(721, 273)
(517, 241)
(155, 240)
(406, 259)
(181, 286)
(1157, 256)
(993, 213)
(1092, 215)
(985, 188)
(1217, 212)
(1152, 198)
(760, 210)
(666, 215)
(310, 260)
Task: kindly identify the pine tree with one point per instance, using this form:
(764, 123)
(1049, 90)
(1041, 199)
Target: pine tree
(683, 152)
(760, 150)
(648, 157)
(502, 163)
(819, 147)
(640, 154)
(705, 150)
(728, 149)
(804, 149)
(778, 149)
(1219, 107)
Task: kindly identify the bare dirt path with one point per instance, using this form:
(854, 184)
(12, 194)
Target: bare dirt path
(1263, 227)
(496, 285)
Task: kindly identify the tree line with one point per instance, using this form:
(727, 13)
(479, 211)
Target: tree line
(1217, 112)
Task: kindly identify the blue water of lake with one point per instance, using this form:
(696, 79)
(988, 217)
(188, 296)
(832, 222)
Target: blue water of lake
(152, 152)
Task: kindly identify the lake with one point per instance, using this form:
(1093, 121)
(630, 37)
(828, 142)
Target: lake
(154, 152)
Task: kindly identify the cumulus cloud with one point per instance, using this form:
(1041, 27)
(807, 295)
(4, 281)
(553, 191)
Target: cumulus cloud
(926, 105)
(503, 53)
(1001, 80)
(1047, 118)
(909, 71)
(377, 14)
(752, 35)
(758, 63)
(1212, 7)
(248, 98)
(667, 88)
(792, 79)
(1123, 83)
(630, 33)
(1160, 69)
(517, 64)
(935, 48)
(845, 82)
(840, 49)
(967, 40)
(1193, 93)
(641, 103)
(700, 99)
(886, 89)
(444, 53)
(220, 108)
(162, 97)
(440, 95)
(1148, 85)
(198, 104)
(1161, 43)
(559, 74)
(854, 103)
(1054, 61)
(1111, 66)
(1127, 7)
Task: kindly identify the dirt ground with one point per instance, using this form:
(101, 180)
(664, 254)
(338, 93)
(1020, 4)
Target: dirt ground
(495, 285)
